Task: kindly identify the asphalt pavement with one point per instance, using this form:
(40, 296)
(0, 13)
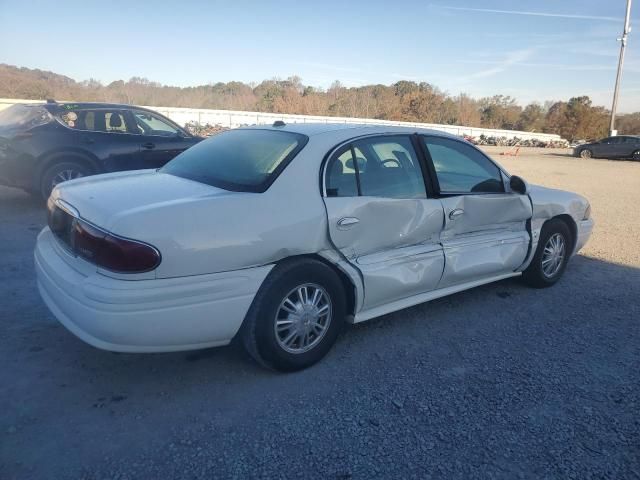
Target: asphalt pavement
(502, 381)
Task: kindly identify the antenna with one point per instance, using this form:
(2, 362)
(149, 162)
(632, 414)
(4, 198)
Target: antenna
(623, 46)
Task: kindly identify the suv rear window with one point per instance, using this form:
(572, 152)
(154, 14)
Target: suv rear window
(245, 160)
(23, 117)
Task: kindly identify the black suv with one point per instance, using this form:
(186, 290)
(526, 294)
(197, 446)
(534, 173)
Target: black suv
(42, 145)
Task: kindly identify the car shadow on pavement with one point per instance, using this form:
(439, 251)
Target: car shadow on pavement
(555, 154)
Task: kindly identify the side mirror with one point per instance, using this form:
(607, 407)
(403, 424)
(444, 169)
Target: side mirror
(518, 185)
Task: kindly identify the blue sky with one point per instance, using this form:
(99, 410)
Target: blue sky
(532, 50)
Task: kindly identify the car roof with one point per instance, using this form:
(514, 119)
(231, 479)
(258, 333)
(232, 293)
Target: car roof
(101, 105)
(348, 129)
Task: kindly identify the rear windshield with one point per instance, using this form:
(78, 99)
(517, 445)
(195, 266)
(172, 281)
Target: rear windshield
(247, 160)
(23, 117)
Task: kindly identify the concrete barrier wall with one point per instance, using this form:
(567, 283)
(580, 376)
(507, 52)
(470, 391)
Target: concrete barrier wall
(234, 119)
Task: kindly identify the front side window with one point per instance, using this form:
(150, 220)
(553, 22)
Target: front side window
(151, 124)
(378, 167)
(460, 168)
(246, 160)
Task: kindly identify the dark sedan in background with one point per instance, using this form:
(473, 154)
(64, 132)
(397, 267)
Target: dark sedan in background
(620, 147)
(42, 145)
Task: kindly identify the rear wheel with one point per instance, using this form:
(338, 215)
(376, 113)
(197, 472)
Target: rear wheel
(586, 153)
(636, 156)
(61, 172)
(552, 255)
(296, 316)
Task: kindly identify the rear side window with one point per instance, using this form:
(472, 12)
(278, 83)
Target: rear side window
(98, 120)
(460, 168)
(377, 167)
(89, 120)
(23, 117)
(247, 160)
(341, 176)
(83, 119)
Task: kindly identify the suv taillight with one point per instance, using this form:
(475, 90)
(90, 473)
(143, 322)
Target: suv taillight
(112, 252)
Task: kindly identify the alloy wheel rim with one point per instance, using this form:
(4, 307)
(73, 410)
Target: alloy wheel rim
(553, 255)
(303, 318)
(64, 176)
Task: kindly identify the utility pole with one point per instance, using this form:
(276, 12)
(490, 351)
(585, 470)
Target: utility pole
(623, 46)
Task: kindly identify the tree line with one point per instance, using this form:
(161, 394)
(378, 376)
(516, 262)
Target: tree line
(405, 100)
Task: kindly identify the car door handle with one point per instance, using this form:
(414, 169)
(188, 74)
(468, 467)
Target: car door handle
(149, 145)
(347, 222)
(455, 213)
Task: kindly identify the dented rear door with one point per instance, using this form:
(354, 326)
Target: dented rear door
(381, 219)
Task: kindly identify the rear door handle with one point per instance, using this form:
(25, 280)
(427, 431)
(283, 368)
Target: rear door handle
(347, 222)
(455, 213)
(149, 145)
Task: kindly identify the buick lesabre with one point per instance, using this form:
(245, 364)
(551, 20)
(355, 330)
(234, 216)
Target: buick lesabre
(281, 234)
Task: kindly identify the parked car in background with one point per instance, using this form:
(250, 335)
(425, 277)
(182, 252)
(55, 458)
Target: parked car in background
(281, 234)
(619, 147)
(42, 145)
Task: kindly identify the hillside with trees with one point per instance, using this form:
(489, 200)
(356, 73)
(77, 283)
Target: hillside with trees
(409, 101)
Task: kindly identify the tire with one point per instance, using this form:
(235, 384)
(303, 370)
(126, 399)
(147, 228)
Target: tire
(543, 272)
(59, 172)
(586, 153)
(270, 312)
(636, 156)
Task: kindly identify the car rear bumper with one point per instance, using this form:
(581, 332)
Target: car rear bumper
(159, 315)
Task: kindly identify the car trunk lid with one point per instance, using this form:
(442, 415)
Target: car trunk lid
(103, 199)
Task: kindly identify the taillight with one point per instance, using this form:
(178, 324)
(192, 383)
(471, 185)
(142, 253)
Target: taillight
(112, 252)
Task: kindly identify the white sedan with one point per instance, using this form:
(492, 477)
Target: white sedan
(281, 234)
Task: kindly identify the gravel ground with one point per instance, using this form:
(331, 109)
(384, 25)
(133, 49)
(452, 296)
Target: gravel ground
(501, 381)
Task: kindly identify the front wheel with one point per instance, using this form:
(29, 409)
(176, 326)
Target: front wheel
(636, 156)
(551, 257)
(296, 316)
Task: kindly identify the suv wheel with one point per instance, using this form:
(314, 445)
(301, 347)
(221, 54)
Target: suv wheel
(636, 155)
(296, 316)
(552, 255)
(61, 172)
